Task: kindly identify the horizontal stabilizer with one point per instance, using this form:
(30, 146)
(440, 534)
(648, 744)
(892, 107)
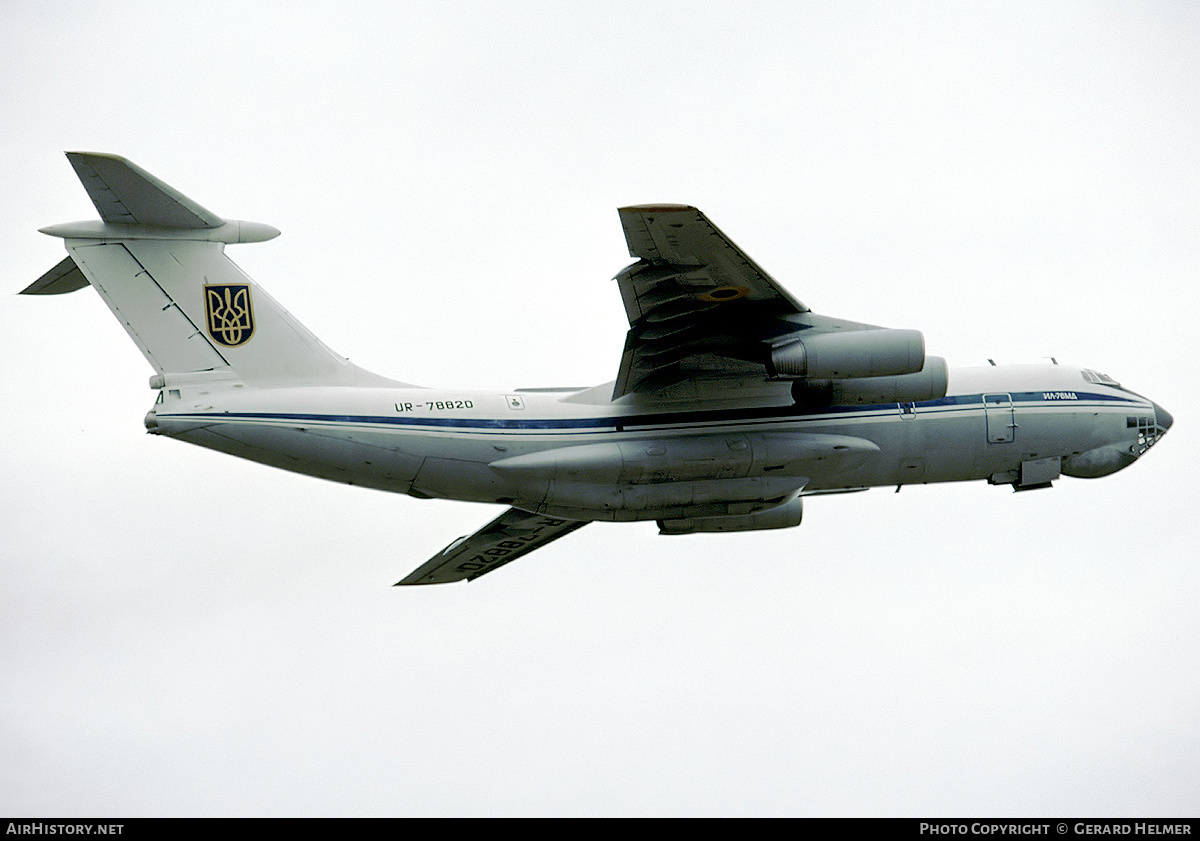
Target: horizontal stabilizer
(63, 278)
(124, 193)
(157, 259)
(506, 538)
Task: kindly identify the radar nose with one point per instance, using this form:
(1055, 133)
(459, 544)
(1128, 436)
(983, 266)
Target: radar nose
(1162, 417)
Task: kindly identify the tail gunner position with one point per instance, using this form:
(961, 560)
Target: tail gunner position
(733, 400)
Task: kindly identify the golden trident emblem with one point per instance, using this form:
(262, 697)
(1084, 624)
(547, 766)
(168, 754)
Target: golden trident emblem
(230, 314)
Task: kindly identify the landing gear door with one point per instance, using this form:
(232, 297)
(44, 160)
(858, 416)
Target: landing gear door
(1001, 424)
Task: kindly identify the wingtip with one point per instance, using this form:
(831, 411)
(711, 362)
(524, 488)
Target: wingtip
(404, 582)
(106, 155)
(655, 208)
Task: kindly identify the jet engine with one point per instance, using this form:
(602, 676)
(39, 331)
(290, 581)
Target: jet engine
(929, 383)
(849, 354)
(783, 516)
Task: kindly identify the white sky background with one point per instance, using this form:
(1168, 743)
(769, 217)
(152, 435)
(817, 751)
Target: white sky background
(182, 633)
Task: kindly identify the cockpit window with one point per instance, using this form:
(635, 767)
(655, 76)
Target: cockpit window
(1097, 377)
(1148, 431)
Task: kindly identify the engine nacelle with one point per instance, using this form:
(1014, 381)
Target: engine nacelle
(930, 383)
(783, 516)
(850, 353)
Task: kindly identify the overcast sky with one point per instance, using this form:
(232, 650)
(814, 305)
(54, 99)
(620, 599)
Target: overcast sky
(182, 633)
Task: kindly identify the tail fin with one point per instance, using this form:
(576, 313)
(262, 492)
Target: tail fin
(157, 258)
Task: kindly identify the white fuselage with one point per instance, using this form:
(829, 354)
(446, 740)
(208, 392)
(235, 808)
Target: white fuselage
(576, 454)
(732, 400)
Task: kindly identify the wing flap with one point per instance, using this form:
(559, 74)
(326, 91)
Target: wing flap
(506, 538)
(698, 306)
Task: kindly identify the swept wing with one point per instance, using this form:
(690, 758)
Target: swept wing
(698, 306)
(506, 538)
(700, 310)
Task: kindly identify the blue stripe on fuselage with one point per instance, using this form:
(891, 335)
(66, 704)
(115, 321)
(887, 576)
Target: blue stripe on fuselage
(627, 422)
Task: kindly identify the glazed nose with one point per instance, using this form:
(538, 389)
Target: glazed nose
(1162, 417)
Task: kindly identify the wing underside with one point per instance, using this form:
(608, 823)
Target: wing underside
(698, 306)
(511, 535)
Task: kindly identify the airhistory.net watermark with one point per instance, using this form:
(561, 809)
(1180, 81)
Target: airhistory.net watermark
(43, 828)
